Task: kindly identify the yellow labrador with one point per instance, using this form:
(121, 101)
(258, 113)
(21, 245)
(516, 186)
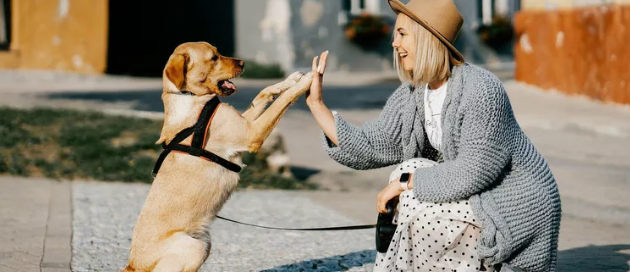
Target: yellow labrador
(172, 233)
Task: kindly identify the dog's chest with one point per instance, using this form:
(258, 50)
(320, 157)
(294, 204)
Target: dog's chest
(181, 111)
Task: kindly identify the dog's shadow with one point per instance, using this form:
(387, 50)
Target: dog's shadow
(329, 264)
(609, 258)
(303, 173)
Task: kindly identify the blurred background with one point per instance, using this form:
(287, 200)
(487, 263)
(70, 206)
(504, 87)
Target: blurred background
(136, 37)
(80, 111)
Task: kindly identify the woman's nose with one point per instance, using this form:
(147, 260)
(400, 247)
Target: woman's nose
(396, 43)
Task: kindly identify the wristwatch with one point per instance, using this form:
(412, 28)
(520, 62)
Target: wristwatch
(404, 178)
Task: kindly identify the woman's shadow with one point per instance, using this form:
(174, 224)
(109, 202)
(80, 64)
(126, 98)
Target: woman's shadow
(329, 264)
(608, 258)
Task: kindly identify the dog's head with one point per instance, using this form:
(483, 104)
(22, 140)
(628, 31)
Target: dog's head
(198, 69)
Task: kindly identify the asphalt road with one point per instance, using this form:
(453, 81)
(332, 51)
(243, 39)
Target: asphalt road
(342, 98)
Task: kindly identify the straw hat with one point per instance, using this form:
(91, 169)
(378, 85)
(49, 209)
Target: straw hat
(440, 17)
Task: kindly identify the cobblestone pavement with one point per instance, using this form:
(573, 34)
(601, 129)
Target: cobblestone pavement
(35, 232)
(105, 213)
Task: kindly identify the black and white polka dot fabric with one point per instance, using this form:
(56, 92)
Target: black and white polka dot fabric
(430, 236)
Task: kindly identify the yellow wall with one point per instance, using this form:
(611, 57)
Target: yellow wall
(58, 35)
(566, 4)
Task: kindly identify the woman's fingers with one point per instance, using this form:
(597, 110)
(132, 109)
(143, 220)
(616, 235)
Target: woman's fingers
(380, 203)
(392, 190)
(321, 68)
(314, 68)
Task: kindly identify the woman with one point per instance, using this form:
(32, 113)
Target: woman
(460, 116)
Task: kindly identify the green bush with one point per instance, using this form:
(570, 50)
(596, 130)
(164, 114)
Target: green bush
(257, 70)
(65, 144)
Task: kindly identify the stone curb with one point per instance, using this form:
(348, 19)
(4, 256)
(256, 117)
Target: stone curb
(57, 244)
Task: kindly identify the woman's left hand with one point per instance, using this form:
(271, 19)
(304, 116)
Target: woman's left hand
(392, 190)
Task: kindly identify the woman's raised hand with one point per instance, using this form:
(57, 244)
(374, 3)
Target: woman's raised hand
(314, 95)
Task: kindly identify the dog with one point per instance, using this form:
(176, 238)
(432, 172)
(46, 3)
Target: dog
(172, 230)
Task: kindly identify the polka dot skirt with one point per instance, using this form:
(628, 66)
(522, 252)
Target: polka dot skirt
(431, 236)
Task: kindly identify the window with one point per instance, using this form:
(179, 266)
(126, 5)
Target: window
(5, 24)
(487, 9)
(356, 7)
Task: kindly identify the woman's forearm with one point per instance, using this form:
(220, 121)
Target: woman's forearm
(325, 119)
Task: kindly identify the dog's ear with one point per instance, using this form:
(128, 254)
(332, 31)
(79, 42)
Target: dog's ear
(176, 68)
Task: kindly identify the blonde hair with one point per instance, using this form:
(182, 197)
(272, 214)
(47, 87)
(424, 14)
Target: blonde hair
(433, 60)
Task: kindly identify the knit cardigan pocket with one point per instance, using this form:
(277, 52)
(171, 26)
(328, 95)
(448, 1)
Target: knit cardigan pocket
(497, 241)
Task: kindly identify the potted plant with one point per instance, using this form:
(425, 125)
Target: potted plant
(367, 30)
(498, 33)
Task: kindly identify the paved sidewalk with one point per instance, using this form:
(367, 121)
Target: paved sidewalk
(585, 245)
(36, 235)
(35, 220)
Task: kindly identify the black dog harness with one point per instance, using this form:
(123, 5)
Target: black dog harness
(198, 131)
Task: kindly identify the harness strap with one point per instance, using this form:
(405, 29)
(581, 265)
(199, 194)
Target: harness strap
(205, 154)
(199, 132)
(203, 123)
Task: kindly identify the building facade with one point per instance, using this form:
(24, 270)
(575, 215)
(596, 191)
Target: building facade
(66, 35)
(136, 37)
(108, 36)
(575, 47)
(292, 32)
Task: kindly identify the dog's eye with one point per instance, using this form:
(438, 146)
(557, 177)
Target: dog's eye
(215, 58)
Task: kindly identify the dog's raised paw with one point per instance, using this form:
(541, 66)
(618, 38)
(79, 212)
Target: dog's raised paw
(306, 80)
(295, 77)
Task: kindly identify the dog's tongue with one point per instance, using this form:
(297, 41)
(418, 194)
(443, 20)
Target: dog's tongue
(229, 85)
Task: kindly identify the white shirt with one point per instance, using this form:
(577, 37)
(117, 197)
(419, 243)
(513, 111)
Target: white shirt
(433, 101)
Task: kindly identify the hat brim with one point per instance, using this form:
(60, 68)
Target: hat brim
(399, 7)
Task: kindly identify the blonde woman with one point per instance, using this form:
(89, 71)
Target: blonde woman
(474, 193)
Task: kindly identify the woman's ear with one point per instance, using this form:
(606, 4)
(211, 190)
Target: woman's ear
(176, 68)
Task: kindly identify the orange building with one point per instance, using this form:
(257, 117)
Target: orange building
(131, 37)
(68, 35)
(576, 47)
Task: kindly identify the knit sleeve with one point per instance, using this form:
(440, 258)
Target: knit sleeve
(483, 151)
(375, 144)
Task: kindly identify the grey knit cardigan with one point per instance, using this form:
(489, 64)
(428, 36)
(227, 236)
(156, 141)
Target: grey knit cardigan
(488, 160)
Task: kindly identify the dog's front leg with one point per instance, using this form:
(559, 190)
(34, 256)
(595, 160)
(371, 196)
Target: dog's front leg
(260, 129)
(267, 95)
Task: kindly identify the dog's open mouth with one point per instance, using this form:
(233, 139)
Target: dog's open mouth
(227, 86)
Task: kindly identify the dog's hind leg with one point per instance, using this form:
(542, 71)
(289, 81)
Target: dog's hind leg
(128, 269)
(170, 263)
(185, 254)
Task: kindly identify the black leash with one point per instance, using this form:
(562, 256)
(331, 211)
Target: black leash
(302, 229)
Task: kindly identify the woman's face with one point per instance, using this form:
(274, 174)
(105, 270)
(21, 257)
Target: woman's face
(404, 42)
